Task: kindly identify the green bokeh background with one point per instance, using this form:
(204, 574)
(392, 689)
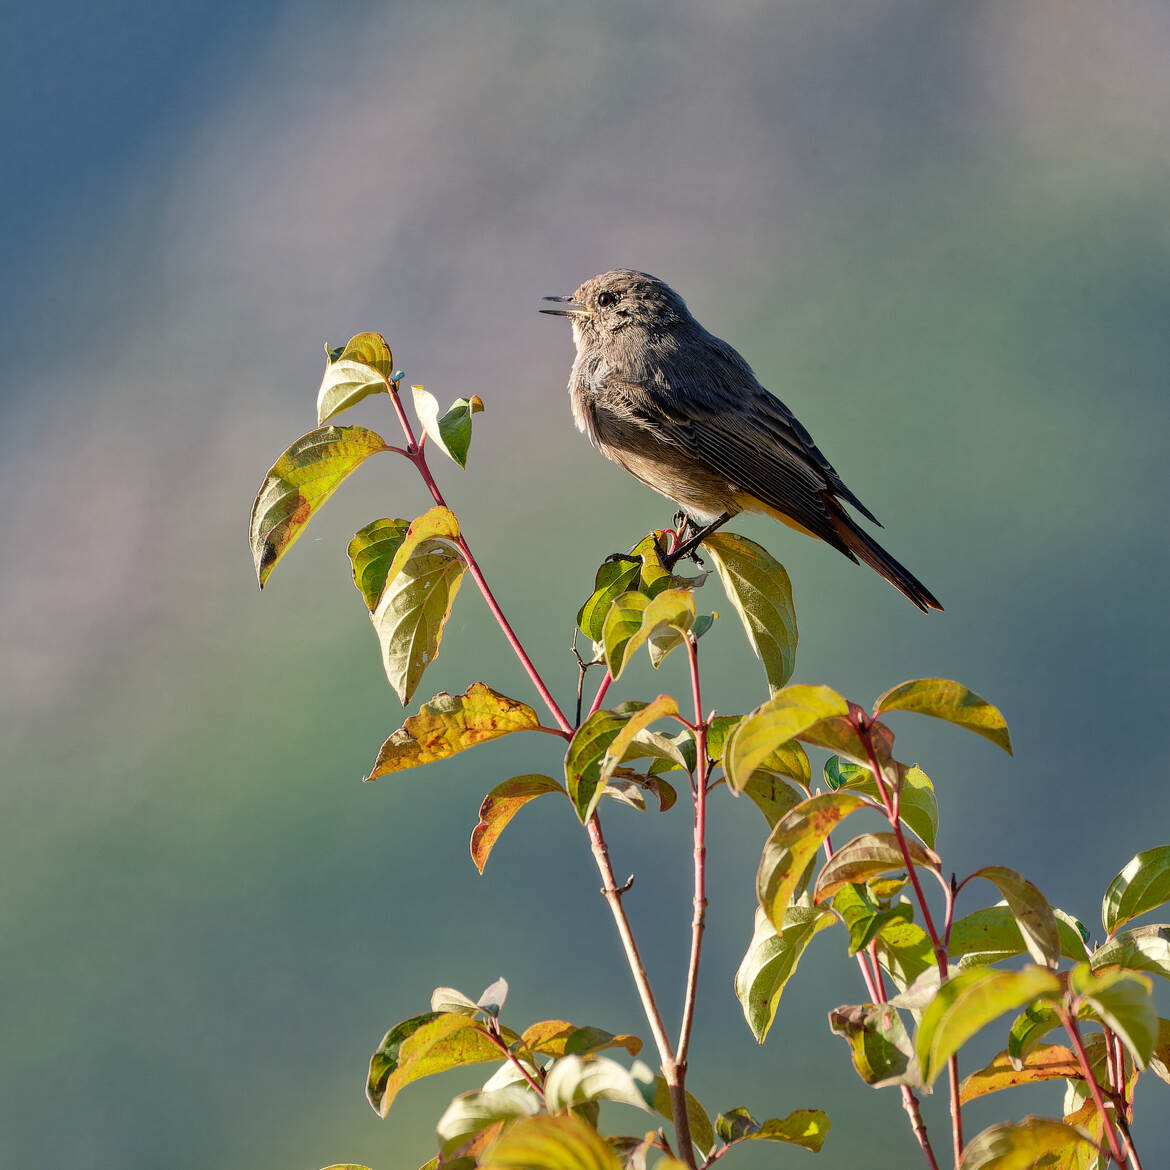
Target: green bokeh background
(939, 231)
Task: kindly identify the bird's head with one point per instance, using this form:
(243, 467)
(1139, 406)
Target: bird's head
(617, 300)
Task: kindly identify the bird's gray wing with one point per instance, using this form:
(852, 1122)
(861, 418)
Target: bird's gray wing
(712, 406)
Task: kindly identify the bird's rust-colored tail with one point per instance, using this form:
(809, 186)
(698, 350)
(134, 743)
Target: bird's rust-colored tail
(869, 552)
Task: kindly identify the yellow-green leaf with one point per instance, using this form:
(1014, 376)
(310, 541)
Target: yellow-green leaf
(413, 610)
(879, 1044)
(298, 483)
(583, 759)
(1144, 948)
(702, 1133)
(966, 1002)
(785, 716)
(802, 1127)
(792, 846)
(917, 805)
(550, 1142)
(371, 553)
(633, 618)
(500, 806)
(436, 523)
(1122, 1000)
(771, 960)
(1033, 914)
(1021, 1147)
(1049, 1062)
(451, 432)
(613, 579)
(422, 1046)
(659, 708)
(363, 367)
(472, 1113)
(452, 723)
(1142, 885)
(866, 857)
(757, 585)
(864, 915)
(951, 701)
(560, 1038)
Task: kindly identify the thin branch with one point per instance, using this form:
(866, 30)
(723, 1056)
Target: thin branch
(595, 706)
(1068, 1019)
(666, 1056)
(494, 1034)
(699, 917)
(891, 803)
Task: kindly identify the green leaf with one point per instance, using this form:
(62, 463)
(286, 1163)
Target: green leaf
(992, 934)
(630, 788)
(950, 701)
(1033, 914)
(613, 579)
(583, 760)
(413, 610)
(298, 483)
(1028, 1029)
(660, 708)
(1144, 948)
(802, 1127)
(702, 1134)
(917, 808)
(633, 618)
(757, 585)
(500, 806)
(1141, 886)
(422, 1046)
(772, 959)
(1020, 1147)
(371, 553)
(865, 917)
(1049, 1063)
(451, 433)
(788, 760)
(969, 1000)
(652, 745)
(868, 856)
(471, 1113)
(548, 1142)
(560, 1038)
(879, 1044)
(453, 723)
(773, 796)
(574, 1080)
(455, 427)
(434, 524)
(363, 367)
(905, 952)
(792, 846)
(1123, 1001)
(786, 716)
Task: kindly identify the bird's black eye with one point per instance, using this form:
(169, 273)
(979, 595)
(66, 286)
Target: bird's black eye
(605, 299)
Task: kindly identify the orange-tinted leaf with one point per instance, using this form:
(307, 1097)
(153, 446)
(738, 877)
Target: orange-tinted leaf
(500, 806)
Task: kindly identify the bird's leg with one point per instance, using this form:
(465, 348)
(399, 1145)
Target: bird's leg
(688, 546)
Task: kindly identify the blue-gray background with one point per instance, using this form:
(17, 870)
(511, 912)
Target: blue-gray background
(939, 231)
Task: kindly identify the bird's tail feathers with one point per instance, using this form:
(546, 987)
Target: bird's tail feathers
(869, 552)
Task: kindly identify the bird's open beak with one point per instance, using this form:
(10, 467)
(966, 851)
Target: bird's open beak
(571, 307)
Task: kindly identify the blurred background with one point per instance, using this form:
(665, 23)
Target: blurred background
(940, 232)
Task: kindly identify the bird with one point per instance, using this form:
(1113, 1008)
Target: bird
(683, 413)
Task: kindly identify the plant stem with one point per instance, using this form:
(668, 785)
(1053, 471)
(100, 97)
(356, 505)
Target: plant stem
(671, 1071)
(699, 917)
(891, 803)
(596, 704)
(416, 455)
(498, 1040)
(1068, 1019)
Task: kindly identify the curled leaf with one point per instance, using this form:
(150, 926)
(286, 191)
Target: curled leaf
(1142, 885)
(500, 806)
(364, 366)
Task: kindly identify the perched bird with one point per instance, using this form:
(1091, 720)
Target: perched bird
(682, 411)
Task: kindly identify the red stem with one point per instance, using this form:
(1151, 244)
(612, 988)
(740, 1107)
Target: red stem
(699, 917)
(416, 455)
(1068, 1019)
(861, 725)
(596, 705)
